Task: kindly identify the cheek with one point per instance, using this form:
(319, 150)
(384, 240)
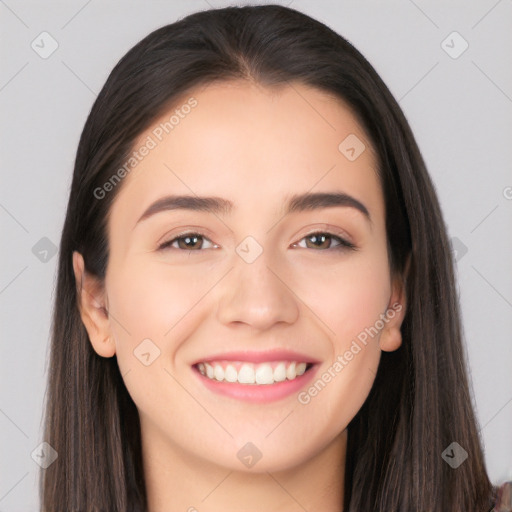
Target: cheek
(349, 304)
(151, 301)
(153, 310)
(349, 301)
(347, 297)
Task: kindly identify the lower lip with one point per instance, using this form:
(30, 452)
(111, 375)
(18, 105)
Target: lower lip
(258, 393)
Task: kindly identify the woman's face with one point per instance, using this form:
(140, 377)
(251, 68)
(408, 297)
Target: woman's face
(251, 287)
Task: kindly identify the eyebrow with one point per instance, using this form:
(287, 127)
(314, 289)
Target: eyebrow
(217, 205)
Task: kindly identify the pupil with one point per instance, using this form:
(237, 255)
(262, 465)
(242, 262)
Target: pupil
(318, 239)
(191, 240)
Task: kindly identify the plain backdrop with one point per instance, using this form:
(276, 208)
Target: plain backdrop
(457, 99)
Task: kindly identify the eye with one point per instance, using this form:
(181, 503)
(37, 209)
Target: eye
(193, 241)
(320, 239)
(187, 241)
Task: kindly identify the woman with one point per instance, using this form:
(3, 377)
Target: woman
(255, 305)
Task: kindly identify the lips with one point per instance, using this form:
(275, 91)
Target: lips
(246, 367)
(263, 376)
(256, 387)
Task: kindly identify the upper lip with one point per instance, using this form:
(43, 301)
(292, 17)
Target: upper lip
(259, 356)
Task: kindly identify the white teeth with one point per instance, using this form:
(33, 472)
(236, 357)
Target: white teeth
(246, 374)
(290, 372)
(280, 372)
(249, 373)
(264, 374)
(230, 374)
(301, 368)
(218, 372)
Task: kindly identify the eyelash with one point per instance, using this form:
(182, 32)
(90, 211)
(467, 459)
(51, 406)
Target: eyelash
(343, 244)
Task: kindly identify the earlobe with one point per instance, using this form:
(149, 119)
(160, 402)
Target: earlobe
(390, 339)
(391, 335)
(93, 310)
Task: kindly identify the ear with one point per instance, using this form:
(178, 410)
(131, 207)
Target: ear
(391, 336)
(92, 304)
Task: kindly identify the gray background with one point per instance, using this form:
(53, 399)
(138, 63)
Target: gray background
(459, 109)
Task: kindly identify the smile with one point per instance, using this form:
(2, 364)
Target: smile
(251, 373)
(262, 382)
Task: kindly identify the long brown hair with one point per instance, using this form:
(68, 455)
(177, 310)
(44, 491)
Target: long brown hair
(420, 402)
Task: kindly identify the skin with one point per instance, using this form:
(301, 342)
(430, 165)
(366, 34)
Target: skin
(254, 146)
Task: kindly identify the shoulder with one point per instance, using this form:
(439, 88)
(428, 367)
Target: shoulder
(503, 497)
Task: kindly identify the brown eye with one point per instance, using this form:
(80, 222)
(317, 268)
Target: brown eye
(320, 241)
(323, 240)
(190, 242)
(186, 242)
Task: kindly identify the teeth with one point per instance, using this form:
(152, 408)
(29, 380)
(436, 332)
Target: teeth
(300, 368)
(218, 372)
(230, 374)
(290, 371)
(264, 374)
(280, 372)
(246, 374)
(249, 373)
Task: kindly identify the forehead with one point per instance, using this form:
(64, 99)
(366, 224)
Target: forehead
(252, 145)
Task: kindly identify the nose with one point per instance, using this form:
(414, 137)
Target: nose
(256, 294)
